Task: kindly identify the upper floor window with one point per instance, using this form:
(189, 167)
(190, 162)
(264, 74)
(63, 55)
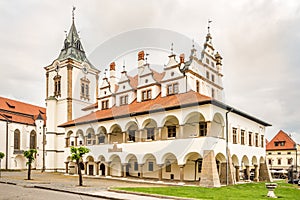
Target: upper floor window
(171, 131)
(213, 93)
(243, 137)
(270, 161)
(262, 141)
(279, 161)
(290, 161)
(124, 100)
(280, 143)
(101, 139)
(207, 74)
(57, 86)
(84, 92)
(197, 86)
(256, 139)
(234, 136)
(213, 78)
(207, 61)
(91, 139)
(202, 128)
(250, 139)
(212, 64)
(104, 104)
(150, 133)
(172, 88)
(131, 135)
(146, 95)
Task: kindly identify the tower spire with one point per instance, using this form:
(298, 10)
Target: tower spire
(73, 13)
(208, 26)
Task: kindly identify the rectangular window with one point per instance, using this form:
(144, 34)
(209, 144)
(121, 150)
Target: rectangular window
(168, 166)
(150, 133)
(289, 153)
(132, 135)
(207, 61)
(290, 161)
(172, 89)
(124, 100)
(84, 94)
(213, 78)
(279, 161)
(146, 95)
(136, 166)
(262, 141)
(250, 139)
(212, 64)
(212, 92)
(234, 136)
(197, 86)
(279, 153)
(269, 153)
(57, 81)
(171, 131)
(270, 161)
(202, 128)
(104, 104)
(243, 137)
(150, 166)
(207, 75)
(256, 139)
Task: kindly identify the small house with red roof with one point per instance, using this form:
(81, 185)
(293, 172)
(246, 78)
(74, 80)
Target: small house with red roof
(282, 152)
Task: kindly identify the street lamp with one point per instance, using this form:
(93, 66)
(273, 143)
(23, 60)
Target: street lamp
(227, 165)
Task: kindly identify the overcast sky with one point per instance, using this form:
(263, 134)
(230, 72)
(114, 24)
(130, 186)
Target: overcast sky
(259, 42)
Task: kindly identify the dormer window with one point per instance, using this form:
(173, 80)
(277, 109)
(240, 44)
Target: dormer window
(172, 89)
(124, 100)
(104, 104)
(146, 95)
(280, 143)
(84, 92)
(57, 86)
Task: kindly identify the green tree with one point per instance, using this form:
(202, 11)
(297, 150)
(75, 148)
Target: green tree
(1, 157)
(76, 154)
(30, 155)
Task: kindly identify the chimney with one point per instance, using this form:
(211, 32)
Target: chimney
(182, 58)
(112, 77)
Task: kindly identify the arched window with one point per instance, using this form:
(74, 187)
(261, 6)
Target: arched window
(32, 140)
(17, 140)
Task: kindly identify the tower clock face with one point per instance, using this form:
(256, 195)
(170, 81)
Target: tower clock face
(84, 70)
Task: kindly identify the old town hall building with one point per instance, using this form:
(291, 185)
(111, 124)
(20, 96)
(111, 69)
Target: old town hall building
(169, 125)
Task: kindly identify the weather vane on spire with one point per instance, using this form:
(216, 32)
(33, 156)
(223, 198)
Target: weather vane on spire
(172, 45)
(73, 13)
(208, 27)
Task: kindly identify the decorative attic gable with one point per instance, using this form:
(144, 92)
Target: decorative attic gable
(281, 141)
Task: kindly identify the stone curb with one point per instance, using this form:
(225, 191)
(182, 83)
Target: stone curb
(149, 195)
(60, 190)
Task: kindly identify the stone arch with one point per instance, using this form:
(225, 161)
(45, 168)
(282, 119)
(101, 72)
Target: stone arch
(171, 168)
(254, 160)
(192, 166)
(245, 161)
(221, 157)
(101, 158)
(149, 156)
(149, 126)
(115, 165)
(170, 127)
(235, 160)
(90, 136)
(131, 128)
(70, 139)
(192, 123)
(217, 126)
(132, 168)
(116, 134)
(90, 165)
(20, 162)
(80, 137)
(130, 156)
(102, 135)
(262, 159)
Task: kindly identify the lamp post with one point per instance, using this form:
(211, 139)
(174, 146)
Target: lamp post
(227, 164)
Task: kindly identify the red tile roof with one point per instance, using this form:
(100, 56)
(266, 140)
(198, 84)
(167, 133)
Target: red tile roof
(20, 112)
(140, 107)
(281, 136)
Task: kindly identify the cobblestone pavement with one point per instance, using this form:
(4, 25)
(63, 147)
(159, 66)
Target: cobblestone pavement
(93, 186)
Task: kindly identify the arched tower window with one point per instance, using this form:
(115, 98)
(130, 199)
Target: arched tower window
(57, 86)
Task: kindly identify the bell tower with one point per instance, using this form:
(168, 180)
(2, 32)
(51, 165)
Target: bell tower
(71, 84)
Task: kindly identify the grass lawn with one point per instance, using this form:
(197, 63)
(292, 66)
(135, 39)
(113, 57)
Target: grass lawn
(241, 191)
